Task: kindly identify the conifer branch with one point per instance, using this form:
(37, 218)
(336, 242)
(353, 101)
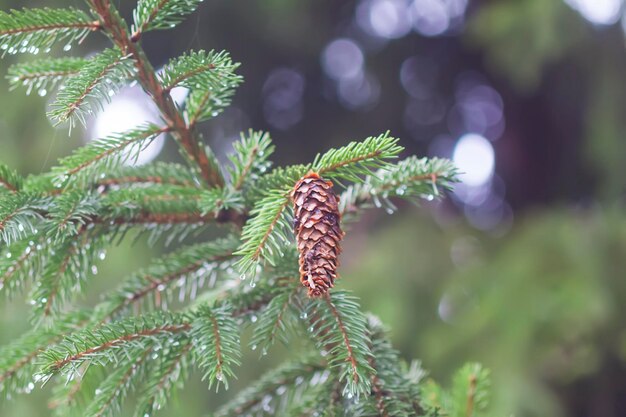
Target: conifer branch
(186, 136)
(190, 269)
(111, 393)
(154, 173)
(250, 159)
(346, 341)
(160, 14)
(168, 375)
(45, 74)
(101, 346)
(19, 214)
(10, 180)
(273, 385)
(17, 359)
(31, 30)
(357, 158)
(95, 82)
(265, 231)
(276, 319)
(215, 335)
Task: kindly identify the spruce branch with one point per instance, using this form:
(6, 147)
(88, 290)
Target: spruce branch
(154, 173)
(185, 134)
(32, 30)
(68, 265)
(95, 83)
(200, 70)
(357, 158)
(104, 155)
(111, 393)
(180, 274)
(276, 319)
(109, 342)
(216, 344)
(19, 216)
(339, 328)
(411, 179)
(467, 397)
(217, 200)
(10, 180)
(270, 389)
(45, 74)
(158, 198)
(265, 232)
(168, 375)
(18, 359)
(160, 14)
(391, 389)
(70, 214)
(20, 262)
(250, 159)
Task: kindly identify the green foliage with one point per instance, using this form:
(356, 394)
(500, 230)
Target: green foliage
(161, 14)
(200, 70)
(269, 394)
(10, 181)
(175, 277)
(94, 83)
(340, 331)
(45, 74)
(110, 342)
(250, 159)
(216, 344)
(357, 158)
(17, 214)
(32, 30)
(412, 179)
(277, 320)
(468, 395)
(86, 164)
(265, 233)
(186, 309)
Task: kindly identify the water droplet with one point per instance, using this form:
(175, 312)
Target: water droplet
(161, 287)
(44, 300)
(303, 315)
(430, 197)
(401, 190)
(20, 227)
(42, 92)
(242, 277)
(264, 351)
(31, 386)
(67, 47)
(253, 318)
(98, 391)
(252, 284)
(94, 269)
(102, 254)
(253, 347)
(219, 376)
(9, 255)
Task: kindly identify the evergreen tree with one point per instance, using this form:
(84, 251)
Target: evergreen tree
(55, 225)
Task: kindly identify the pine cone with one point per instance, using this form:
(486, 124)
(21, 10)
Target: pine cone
(318, 233)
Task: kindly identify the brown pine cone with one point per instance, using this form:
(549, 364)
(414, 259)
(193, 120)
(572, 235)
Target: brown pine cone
(318, 233)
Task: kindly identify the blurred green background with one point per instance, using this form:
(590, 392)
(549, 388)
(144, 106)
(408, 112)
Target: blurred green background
(521, 268)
